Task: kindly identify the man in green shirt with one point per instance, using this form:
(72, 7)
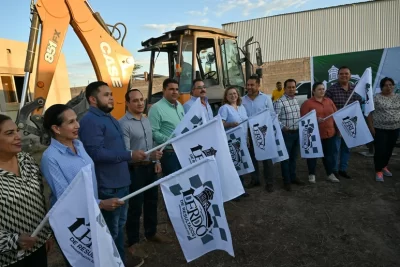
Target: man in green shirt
(164, 116)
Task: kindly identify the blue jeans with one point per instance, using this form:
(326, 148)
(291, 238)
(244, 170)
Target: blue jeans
(288, 167)
(328, 146)
(341, 155)
(116, 219)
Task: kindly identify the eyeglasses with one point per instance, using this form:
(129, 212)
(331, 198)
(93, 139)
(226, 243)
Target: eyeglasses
(200, 87)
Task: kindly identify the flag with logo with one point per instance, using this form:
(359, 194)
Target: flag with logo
(240, 154)
(280, 142)
(352, 126)
(364, 89)
(207, 140)
(79, 226)
(262, 136)
(194, 203)
(192, 119)
(310, 140)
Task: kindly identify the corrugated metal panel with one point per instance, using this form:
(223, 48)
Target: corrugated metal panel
(349, 28)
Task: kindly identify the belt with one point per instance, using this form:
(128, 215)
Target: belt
(292, 131)
(169, 150)
(140, 163)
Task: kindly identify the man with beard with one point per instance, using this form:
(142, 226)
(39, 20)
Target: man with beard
(103, 140)
(199, 90)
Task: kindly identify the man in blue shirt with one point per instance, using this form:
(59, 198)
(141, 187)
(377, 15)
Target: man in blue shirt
(103, 140)
(199, 90)
(255, 101)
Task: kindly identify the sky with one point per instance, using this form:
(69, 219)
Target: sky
(151, 19)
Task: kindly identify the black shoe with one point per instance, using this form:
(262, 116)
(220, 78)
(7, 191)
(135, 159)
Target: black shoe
(336, 174)
(344, 174)
(298, 182)
(288, 187)
(269, 188)
(245, 195)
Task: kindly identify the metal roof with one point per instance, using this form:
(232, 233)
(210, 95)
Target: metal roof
(341, 29)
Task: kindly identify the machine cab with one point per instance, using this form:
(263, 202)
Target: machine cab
(210, 54)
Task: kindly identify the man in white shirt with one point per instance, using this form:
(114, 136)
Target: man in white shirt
(199, 90)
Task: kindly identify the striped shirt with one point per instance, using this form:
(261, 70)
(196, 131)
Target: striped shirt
(288, 111)
(164, 117)
(60, 165)
(22, 208)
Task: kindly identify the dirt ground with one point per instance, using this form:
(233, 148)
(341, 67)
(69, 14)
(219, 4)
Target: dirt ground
(354, 223)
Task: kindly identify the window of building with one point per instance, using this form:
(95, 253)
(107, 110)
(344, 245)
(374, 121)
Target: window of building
(10, 95)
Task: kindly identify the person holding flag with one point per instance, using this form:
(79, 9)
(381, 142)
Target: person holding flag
(384, 124)
(199, 90)
(341, 93)
(233, 113)
(323, 107)
(255, 101)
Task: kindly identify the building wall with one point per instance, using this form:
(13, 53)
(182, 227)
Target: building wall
(348, 28)
(12, 62)
(298, 69)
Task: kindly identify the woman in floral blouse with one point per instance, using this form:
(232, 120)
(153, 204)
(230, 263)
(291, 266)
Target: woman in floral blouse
(384, 124)
(22, 203)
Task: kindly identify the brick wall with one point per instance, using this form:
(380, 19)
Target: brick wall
(298, 69)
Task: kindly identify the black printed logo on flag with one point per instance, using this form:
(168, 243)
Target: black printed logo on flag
(196, 121)
(350, 125)
(198, 153)
(237, 153)
(259, 135)
(309, 138)
(199, 215)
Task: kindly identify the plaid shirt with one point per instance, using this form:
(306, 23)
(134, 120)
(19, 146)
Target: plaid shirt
(288, 111)
(339, 96)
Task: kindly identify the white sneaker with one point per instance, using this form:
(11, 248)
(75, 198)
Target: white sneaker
(332, 178)
(311, 178)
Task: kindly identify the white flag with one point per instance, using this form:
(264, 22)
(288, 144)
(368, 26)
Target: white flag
(194, 203)
(240, 154)
(263, 136)
(280, 142)
(352, 126)
(79, 226)
(192, 119)
(310, 140)
(210, 140)
(364, 89)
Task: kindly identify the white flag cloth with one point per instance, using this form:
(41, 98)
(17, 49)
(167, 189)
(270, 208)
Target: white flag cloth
(352, 126)
(240, 154)
(79, 226)
(280, 142)
(364, 89)
(263, 136)
(194, 203)
(310, 140)
(210, 140)
(194, 118)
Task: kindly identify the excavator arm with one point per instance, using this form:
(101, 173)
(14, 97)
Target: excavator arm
(112, 63)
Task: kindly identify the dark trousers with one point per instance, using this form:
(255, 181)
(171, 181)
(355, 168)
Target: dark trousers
(142, 176)
(169, 163)
(288, 167)
(384, 141)
(328, 146)
(37, 258)
(268, 168)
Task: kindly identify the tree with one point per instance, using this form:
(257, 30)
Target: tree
(136, 67)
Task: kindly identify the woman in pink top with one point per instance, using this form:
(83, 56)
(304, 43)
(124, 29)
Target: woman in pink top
(323, 107)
